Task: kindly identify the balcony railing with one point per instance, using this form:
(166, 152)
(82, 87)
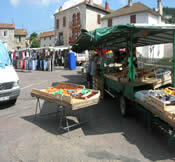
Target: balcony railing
(59, 43)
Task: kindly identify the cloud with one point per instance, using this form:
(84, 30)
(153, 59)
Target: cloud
(123, 2)
(43, 2)
(14, 3)
(71, 3)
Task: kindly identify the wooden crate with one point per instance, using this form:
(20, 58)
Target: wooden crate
(159, 104)
(68, 101)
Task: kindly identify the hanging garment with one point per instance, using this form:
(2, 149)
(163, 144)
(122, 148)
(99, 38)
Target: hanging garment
(14, 55)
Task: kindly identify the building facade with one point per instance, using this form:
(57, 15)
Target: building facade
(138, 13)
(7, 35)
(47, 39)
(12, 38)
(68, 23)
(20, 39)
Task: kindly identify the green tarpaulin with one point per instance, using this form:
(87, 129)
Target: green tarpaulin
(117, 37)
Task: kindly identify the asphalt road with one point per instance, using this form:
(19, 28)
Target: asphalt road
(107, 136)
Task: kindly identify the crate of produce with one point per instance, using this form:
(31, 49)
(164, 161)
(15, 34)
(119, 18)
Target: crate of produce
(69, 95)
(162, 106)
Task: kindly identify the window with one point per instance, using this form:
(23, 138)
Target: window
(74, 19)
(98, 19)
(133, 19)
(78, 18)
(109, 22)
(75, 34)
(57, 24)
(44, 38)
(19, 38)
(50, 38)
(64, 21)
(5, 33)
(60, 37)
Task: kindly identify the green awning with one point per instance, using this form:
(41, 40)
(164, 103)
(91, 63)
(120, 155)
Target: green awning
(118, 37)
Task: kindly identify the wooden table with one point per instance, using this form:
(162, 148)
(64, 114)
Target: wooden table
(62, 105)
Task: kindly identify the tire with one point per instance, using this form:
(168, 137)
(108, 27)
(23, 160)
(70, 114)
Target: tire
(13, 102)
(123, 106)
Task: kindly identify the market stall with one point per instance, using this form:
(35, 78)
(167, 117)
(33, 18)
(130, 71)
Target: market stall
(44, 58)
(67, 95)
(129, 81)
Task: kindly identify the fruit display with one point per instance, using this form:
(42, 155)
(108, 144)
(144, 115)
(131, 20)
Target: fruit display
(74, 91)
(170, 91)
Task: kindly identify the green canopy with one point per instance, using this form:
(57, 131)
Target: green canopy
(117, 37)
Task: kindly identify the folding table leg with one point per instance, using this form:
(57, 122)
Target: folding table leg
(67, 123)
(61, 116)
(37, 104)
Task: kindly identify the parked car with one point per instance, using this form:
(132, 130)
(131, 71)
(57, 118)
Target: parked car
(9, 81)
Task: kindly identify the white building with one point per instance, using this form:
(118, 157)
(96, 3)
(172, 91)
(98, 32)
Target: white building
(85, 15)
(138, 13)
(47, 39)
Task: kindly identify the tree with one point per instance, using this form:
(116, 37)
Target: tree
(33, 36)
(35, 44)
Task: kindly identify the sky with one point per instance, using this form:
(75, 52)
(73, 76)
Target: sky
(37, 15)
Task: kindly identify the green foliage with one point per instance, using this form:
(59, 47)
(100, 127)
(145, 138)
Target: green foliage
(169, 11)
(33, 36)
(170, 21)
(35, 44)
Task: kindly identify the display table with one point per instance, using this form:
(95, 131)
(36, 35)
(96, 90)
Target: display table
(91, 97)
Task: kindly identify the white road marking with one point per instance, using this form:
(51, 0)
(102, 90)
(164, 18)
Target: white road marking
(34, 84)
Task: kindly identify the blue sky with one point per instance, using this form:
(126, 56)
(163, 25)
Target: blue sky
(36, 15)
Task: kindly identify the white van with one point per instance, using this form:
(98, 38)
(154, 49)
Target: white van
(9, 81)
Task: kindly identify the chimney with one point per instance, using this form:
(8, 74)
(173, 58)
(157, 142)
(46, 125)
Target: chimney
(160, 7)
(60, 9)
(106, 6)
(13, 24)
(91, 2)
(129, 3)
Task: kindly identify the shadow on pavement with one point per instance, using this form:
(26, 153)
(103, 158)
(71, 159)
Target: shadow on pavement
(77, 79)
(50, 117)
(105, 118)
(5, 105)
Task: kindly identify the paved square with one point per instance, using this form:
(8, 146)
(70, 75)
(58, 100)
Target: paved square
(107, 136)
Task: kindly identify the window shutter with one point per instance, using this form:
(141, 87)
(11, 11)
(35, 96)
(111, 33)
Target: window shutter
(133, 19)
(109, 22)
(57, 24)
(64, 21)
(74, 19)
(98, 19)
(78, 18)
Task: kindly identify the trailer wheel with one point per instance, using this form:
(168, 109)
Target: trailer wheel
(123, 108)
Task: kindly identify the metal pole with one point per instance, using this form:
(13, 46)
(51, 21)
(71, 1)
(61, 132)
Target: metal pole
(131, 50)
(132, 54)
(174, 59)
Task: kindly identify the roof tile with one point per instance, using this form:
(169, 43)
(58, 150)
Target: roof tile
(7, 26)
(21, 32)
(47, 34)
(135, 8)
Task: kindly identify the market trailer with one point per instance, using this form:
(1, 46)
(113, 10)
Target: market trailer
(132, 36)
